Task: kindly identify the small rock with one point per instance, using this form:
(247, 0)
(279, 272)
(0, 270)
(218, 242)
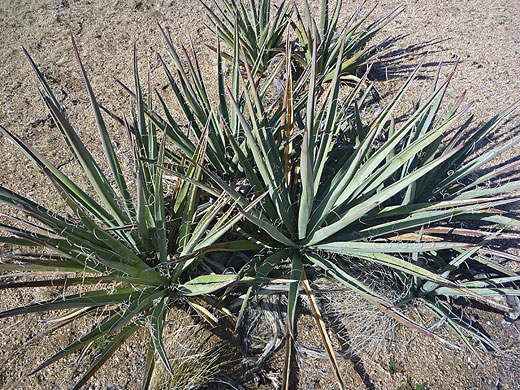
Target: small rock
(514, 303)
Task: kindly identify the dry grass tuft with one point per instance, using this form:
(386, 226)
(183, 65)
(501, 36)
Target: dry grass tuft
(361, 327)
(194, 364)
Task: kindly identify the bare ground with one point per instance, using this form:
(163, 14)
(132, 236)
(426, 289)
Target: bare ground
(483, 34)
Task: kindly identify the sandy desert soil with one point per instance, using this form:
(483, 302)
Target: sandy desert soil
(483, 34)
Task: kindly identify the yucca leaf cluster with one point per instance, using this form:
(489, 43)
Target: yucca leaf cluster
(353, 54)
(261, 34)
(134, 252)
(307, 185)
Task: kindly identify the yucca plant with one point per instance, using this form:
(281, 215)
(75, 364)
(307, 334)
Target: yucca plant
(305, 187)
(133, 254)
(343, 192)
(259, 31)
(262, 37)
(218, 118)
(355, 51)
(199, 111)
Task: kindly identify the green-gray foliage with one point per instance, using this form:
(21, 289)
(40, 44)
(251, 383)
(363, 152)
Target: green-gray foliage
(305, 187)
(133, 253)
